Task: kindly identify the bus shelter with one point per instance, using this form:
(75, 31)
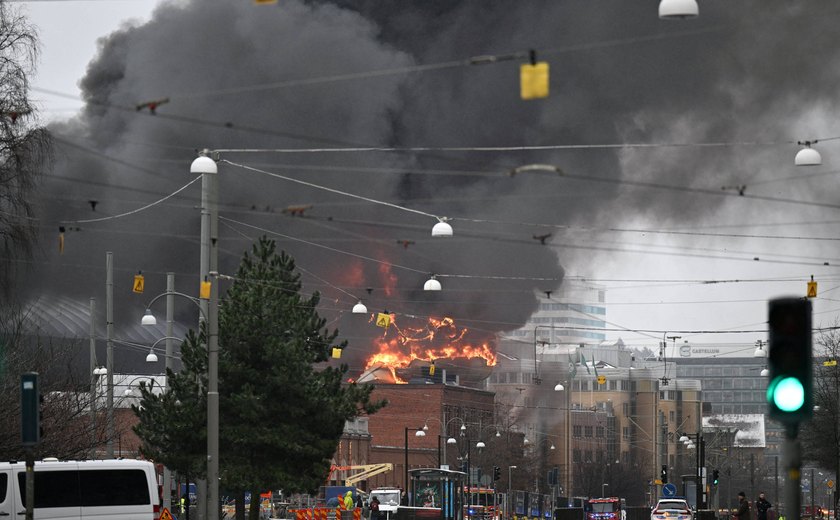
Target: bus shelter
(435, 494)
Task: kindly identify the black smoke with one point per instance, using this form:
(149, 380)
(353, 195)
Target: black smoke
(741, 72)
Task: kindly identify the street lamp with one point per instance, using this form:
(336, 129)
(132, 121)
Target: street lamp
(419, 433)
(689, 440)
(567, 478)
(150, 320)
(444, 433)
(509, 499)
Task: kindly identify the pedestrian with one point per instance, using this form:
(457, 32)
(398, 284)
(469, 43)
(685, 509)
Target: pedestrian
(348, 500)
(743, 511)
(374, 508)
(761, 507)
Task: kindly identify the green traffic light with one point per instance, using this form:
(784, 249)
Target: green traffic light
(787, 394)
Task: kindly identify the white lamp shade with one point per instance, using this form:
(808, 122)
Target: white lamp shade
(479, 444)
(451, 440)
(765, 372)
(152, 357)
(100, 371)
(203, 165)
(559, 387)
(148, 318)
(684, 438)
(552, 447)
(759, 352)
(127, 392)
(671, 9)
(526, 441)
(431, 285)
(807, 157)
(442, 229)
(359, 308)
(420, 433)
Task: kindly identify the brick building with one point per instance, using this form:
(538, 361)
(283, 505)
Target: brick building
(441, 408)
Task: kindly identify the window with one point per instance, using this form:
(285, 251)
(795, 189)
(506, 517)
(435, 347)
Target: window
(72, 488)
(576, 456)
(625, 433)
(577, 431)
(587, 431)
(672, 416)
(4, 483)
(600, 432)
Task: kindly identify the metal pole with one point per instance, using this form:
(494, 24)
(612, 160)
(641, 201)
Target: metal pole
(209, 306)
(109, 351)
(509, 499)
(92, 377)
(168, 364)
(405, 482)
(701, 465)
(213, 354)
(791, 462)
(813, 485)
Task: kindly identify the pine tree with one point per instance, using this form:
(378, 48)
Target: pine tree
(282, 411)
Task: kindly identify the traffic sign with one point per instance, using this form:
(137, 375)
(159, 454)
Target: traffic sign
(669, 490)
(602, 380)
(165, 514)
(830, 484)
(383, 320)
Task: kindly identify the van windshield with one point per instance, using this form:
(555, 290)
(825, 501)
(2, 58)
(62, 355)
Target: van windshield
(390, 498)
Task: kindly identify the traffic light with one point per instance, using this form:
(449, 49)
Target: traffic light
(497, 473)
(789, 360)
(30, 409)
(663, 476)
(715, 477)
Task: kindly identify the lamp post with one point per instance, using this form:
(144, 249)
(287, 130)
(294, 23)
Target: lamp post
(209, 266)
(149, 319)
(699, 474)
(419, 433)
(444, 433)
(567, 480)
(509, 499)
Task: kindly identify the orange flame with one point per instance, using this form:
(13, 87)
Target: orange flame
(438, 339)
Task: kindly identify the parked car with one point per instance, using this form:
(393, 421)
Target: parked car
(671, 509)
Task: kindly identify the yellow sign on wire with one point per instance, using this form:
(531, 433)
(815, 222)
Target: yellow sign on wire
(336, 353)
(383, 320)
(139, 284)
(812, 289)
(204, 290)
(533, 80)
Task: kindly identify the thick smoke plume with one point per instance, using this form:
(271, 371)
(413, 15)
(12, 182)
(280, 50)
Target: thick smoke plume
(233, 75)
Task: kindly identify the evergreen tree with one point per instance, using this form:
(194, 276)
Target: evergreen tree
(282, 414)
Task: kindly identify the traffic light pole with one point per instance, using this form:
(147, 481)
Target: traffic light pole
(791, 465)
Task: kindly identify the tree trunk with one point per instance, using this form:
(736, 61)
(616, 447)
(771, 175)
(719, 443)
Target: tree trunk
(240, 505)
(254, 513)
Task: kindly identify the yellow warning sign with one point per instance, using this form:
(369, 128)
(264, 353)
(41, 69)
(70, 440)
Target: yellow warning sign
(533, 80)
(602, 380)
(165, 514)
(336, 353)
(139, 283)
(830, 484)
(812, 289)
(383, 320)
(830, 363)
(204, 290)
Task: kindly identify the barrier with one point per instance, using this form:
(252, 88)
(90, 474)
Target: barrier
(325, 513)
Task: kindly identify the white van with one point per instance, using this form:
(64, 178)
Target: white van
(87, 489)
